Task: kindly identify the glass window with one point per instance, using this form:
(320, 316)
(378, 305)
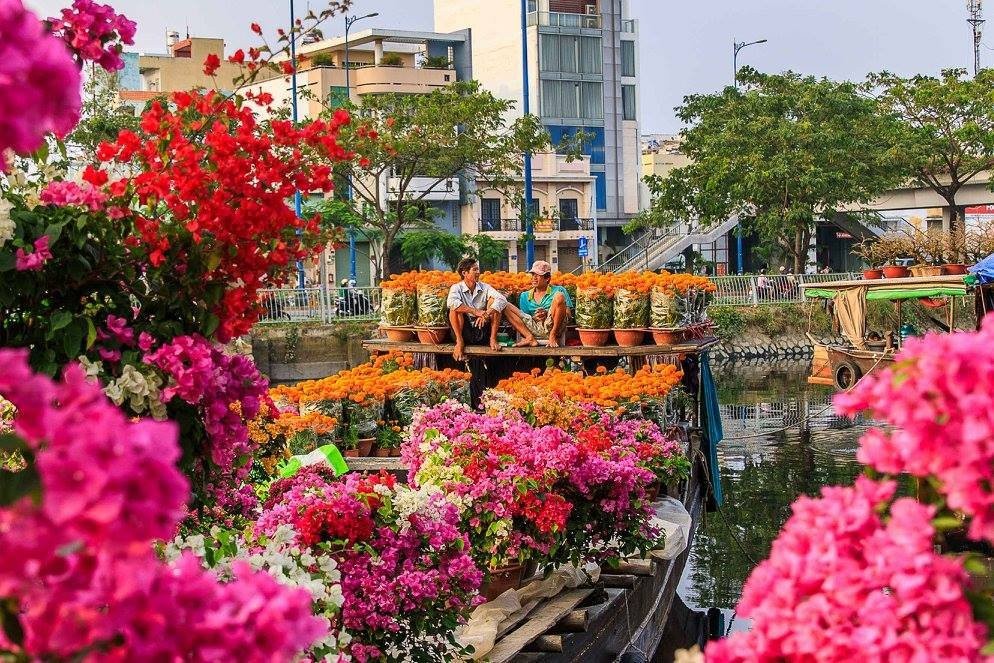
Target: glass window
(591, 100)
(627, 58)
(338, 96)
(591, 55)
(490, 213)
(628, 102)
(549, 47)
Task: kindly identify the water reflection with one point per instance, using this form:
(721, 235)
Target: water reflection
(767, 460)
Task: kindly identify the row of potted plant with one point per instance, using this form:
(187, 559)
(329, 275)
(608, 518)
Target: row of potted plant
(932, 254)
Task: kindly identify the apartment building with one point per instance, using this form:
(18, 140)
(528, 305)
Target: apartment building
(583, 76)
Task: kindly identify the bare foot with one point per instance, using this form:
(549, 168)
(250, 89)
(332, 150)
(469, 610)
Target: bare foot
(553, 342)
(495, 346)
(458, 353)
(528, 341)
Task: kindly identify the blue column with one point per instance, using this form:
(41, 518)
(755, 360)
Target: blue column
(529, 222)
(738, 229)
(293, 97)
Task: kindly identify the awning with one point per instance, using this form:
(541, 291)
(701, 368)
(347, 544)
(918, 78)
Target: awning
(892, 289)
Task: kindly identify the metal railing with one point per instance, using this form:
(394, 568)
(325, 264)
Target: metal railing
(319, 304)
(540, 225)
(777, 289)
(564, 20)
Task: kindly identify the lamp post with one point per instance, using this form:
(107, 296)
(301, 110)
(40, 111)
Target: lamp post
(736, 47)
(293, 102)
(527, 207)
(349, 20)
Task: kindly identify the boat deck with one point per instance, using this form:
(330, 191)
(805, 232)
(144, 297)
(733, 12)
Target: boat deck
(687, 347)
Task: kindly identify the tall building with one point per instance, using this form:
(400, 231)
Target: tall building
(583, 75)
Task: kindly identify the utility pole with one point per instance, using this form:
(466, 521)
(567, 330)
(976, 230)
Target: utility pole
(736, 47)
(976, 20)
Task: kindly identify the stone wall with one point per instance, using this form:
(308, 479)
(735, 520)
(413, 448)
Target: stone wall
(754, 344)
(287, 353)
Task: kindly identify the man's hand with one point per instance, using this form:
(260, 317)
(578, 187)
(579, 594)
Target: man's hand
(458, 353)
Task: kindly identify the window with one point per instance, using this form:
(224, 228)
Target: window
(568, 213)
(490, 213)
(338, 96)
(572, 99)
(568, 54)
(627, 58)
(628, 102)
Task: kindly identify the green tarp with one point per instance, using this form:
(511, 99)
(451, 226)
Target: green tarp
(896, 293)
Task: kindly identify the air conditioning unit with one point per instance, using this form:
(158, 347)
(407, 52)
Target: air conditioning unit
(590, 10)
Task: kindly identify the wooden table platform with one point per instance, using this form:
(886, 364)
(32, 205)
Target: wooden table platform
(692, 346)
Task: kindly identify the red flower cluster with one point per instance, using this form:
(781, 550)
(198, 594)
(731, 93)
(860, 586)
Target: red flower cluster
(549, 515)
(326, 521)
(212, 194)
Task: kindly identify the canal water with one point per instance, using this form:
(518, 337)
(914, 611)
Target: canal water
(766, 463)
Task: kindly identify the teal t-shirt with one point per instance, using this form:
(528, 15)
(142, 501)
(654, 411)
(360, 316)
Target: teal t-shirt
(529, 305)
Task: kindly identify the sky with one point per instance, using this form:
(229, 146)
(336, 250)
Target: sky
(685, 47)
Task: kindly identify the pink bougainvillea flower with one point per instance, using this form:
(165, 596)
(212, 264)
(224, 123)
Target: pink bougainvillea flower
(34, 261)
(39, 82)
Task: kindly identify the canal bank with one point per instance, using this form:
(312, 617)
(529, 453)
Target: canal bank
(766, 461)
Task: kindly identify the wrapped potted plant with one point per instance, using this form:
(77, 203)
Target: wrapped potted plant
(594, 308)
(631, 307)
(399, 306)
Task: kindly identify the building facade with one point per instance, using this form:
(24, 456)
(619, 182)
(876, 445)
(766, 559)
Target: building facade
(583, 76)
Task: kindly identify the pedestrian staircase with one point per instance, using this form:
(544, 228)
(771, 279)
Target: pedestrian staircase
(656, 247)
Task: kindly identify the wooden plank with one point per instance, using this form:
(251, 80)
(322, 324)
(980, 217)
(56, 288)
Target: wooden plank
(638, 567)
(618, 580)
(541, 621)
(553, 643)
(576, 620)
(381, 345)
(516, 618)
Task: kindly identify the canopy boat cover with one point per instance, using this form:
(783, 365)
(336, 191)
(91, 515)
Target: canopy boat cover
(850, 297)
(984, 270)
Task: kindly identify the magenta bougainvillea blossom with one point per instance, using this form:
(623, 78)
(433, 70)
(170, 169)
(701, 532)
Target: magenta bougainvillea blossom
(94, 32)
(63, 194)
(844, 584)
(938, 395)
(79, 569)
(39, 82)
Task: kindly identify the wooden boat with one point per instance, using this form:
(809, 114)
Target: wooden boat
(843, 364)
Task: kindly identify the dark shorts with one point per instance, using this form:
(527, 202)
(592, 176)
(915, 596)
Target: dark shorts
(475, 335)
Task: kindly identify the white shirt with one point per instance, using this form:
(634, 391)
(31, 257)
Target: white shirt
(460, 294)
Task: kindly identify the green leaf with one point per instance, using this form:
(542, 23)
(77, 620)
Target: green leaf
(210, 325)
(15, 485)
(54, 232)
(947, 523)
(10, 442)
(72, 339)
(60, 320)
(11, 622)
(7, 261)
(91, 334)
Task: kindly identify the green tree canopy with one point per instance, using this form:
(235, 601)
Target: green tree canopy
(945, 128)
(408, 146)
(780, 150)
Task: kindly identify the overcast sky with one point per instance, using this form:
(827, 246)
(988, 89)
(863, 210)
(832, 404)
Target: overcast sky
(685, 47)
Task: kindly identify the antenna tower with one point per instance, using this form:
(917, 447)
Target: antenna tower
(976, 19)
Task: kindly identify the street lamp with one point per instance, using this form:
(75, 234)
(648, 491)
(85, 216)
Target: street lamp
(293, 98)
(736, 47)
(349, 20)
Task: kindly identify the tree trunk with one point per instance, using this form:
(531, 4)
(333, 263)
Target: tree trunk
(957, 230)
(800, 249)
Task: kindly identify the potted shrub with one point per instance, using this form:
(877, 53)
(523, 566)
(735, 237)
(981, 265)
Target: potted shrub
(893, 248)
(391, 60)
(436, 62)
(323, 60)
(954, 250)
(867, 251)
(927, 250)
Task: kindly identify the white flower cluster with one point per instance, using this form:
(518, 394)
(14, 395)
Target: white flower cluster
(142, 391)
(7, 225)
(288, 563)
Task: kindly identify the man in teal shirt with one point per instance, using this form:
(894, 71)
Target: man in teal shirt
(546, 307)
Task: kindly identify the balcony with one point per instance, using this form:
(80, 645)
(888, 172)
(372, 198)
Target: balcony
(379, 79)
(563, 20)
(628, 25)
(446, 191)
(542, 226)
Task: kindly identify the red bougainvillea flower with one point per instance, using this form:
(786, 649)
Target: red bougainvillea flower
(210, 199)
(211, 64)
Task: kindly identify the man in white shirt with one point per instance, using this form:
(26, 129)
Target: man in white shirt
(475, 311)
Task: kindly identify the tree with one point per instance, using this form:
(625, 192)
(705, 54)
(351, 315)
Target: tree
(420, 247)
(945, 129)
(420, 141)
(103, 116)
(780, 151)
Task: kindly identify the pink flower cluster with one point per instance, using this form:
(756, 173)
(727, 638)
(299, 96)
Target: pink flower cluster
(39, 83)
(205, 376)
(94, 33)
(572, 493)
(79, 565)
(34, 261)
(63, 194)
(938, 394)
(841, 584)
(404, 573)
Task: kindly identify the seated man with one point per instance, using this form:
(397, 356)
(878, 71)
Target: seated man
(475, 311)
(546, 307)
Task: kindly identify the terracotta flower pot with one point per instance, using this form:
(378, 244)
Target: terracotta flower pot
(366, 446)
(896, 272)
(395, 452)
(594, 338)
(382, 452)
(502, 579)
(667, 336)
(627, 338)
(954, 268)
(398, 334)
(351, 453)
(432, 335)
(869, 274)
(925, 270)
